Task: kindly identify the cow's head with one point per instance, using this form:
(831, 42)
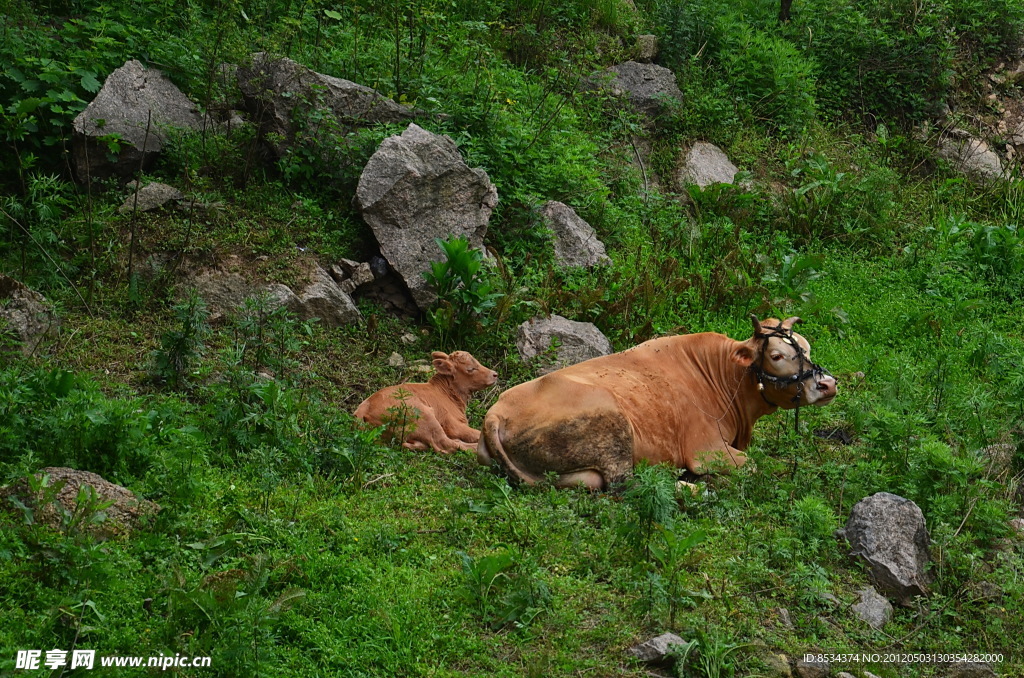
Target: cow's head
(780, 360)
(464, 369)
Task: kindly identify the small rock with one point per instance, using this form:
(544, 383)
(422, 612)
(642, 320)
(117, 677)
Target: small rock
(873, 608)
(575, 242)
(646, 48)
(281, 93)
(985, 590)
(776, 665)
(970, 670)
(150, 197)
(706, 164)
(972, 157)
(25, 315)
(1017, 525)
(396, 360)
(844, 674)
(811, 669)
(647, 86)
(785, 619)
(658, 650)
(868, 674)
(408, 339)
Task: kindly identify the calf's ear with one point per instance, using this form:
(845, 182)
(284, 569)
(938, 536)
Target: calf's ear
(442, 364)
(744, 355)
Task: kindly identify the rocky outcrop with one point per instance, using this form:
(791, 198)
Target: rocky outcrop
(888, 534)
(576, 342)
(25, 315)
(281, 95)
(705, 164)
(647, 86)
(321, 296)
(575, 242)
(417, 188)
(121, 517)
(132, 99)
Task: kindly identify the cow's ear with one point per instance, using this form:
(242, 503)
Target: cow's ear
(438, 355)
(443, 365)
(744, 355)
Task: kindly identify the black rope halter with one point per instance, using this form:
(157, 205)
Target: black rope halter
(813, 370)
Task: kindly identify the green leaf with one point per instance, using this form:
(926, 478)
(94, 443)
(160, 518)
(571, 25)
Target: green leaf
(332, 14)
(90, 83)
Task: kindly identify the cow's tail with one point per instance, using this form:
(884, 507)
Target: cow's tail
(490, 447)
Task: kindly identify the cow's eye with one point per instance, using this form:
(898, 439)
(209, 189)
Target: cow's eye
(777, 356)
(471, 369)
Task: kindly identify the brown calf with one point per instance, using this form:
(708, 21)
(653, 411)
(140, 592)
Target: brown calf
(438, 407)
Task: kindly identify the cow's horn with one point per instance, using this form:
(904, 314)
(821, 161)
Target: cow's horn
(788, 323)
(756, 323)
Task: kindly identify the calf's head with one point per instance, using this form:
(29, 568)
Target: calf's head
(465, 370)
(780, 360)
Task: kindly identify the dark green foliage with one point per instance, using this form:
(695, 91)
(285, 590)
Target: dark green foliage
(182, 346)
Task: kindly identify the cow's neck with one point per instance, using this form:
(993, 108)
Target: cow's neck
(740, 402)
(447, 385)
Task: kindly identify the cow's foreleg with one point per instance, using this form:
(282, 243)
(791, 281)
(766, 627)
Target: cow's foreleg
(591, 479)
(718, 460)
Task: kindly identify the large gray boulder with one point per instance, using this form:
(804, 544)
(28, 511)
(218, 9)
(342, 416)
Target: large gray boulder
(132, 98)
(280, 94)
(888, 534)
(705, 164)
(575, 242)
(416, 188)
(577, 342)
(647, 86)
(25, 315)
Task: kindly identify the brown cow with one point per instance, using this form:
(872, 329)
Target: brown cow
(688, 400)
(439, 406)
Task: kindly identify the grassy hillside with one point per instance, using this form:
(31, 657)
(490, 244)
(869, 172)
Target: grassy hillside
(290, 542)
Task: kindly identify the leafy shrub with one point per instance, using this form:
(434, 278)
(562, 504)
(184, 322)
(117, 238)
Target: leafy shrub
(884, 60)
(182, 346)
(505, 588)
(772, 78)
(465, 293)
